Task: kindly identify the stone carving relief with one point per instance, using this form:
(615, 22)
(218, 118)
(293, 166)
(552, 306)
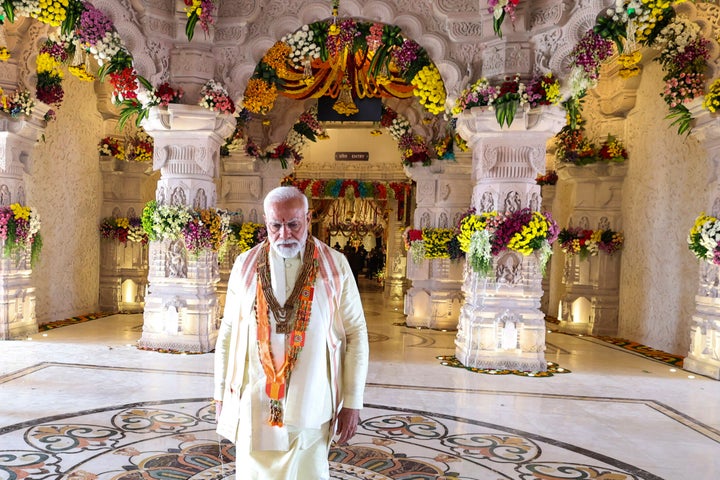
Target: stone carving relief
(709, 280)
(445, 191)
(200, 202)
(116, 212)
(508, 269)
(161, 195)
(487, 202)
(513, 203)
(425, 220)
(604, 223)
(176, 260)
(547, 15)
(584, 223)
(507, 327)
(131, 212)
(535, 202)
(254, 216)
(5, 197)
(178, 197)
(443, 221)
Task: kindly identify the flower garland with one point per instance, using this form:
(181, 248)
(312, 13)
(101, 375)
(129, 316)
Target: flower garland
(587, 243)
(314, 44)
(511, 94)
(338, 188)
(487, 234)
(21, 102)
(704, 239)
(124, 229)
(20, 230)
(137, 149)
(201, 230)
(412, 146)
(49, 74)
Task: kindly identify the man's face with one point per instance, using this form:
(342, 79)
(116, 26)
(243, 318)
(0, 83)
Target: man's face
(287, 227)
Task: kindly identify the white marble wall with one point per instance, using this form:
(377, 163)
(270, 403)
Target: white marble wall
(66, 189)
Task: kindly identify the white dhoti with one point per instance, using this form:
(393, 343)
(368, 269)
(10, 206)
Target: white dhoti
(307, 458)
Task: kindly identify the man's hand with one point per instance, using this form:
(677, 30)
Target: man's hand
(347, 423)
(218, 409)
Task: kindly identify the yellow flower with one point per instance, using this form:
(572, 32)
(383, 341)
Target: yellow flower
(260, 96)
(20, 212)
(4, 54)
(80, 72)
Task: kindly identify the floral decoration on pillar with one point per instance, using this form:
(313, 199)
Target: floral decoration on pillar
(485, 235)
(704, 239)
(500, 8)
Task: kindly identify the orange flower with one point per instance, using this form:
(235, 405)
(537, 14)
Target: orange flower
(260, 96)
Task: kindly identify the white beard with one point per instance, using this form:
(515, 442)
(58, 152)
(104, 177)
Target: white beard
(288, 249)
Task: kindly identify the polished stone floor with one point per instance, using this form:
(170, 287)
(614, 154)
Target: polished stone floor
(81, 402)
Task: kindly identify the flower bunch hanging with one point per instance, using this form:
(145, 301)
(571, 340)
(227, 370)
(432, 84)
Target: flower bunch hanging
(49, 73)
(499, 9)
(198, 11)
(20, 230)
(167, 95)
(123, 229)
(207, 230)
(585, 60)
(302, 46)
(111, 147)
(704, 239)
(247, 235)
(587, 243)
(214, 97)
(164, 222)
(488, 234)
(430, 89)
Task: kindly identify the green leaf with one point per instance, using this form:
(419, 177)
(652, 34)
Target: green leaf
(190, 25)
(511, 110)
(681, 118)
(497, 23)
(9, 9)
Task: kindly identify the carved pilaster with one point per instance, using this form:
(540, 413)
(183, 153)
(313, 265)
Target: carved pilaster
(500, 324)
(590, 302)
(181, 308)
(442, 197)
(18, 137)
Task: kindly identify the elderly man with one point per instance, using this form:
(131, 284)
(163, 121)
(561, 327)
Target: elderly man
(292, 351)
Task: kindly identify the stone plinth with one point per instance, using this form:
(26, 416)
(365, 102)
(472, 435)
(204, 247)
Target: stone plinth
(123, 276)
(17, 297)
(501, 325)
(435, 298)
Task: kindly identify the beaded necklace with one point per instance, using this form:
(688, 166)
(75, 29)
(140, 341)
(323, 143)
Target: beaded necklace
(276, 380)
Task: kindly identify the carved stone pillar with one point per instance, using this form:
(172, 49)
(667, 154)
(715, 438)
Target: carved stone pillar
(548, 196)
(17, 294)
(501, 325)
(396, 264)
(590, 302)
(704, 354)
(442, 196)
(181, 306)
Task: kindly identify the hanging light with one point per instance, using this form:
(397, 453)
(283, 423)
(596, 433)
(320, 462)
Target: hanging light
(345, 104)
(308, 78)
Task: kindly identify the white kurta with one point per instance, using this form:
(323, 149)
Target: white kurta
(330, 371)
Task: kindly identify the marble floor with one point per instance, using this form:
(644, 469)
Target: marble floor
(81, 402)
